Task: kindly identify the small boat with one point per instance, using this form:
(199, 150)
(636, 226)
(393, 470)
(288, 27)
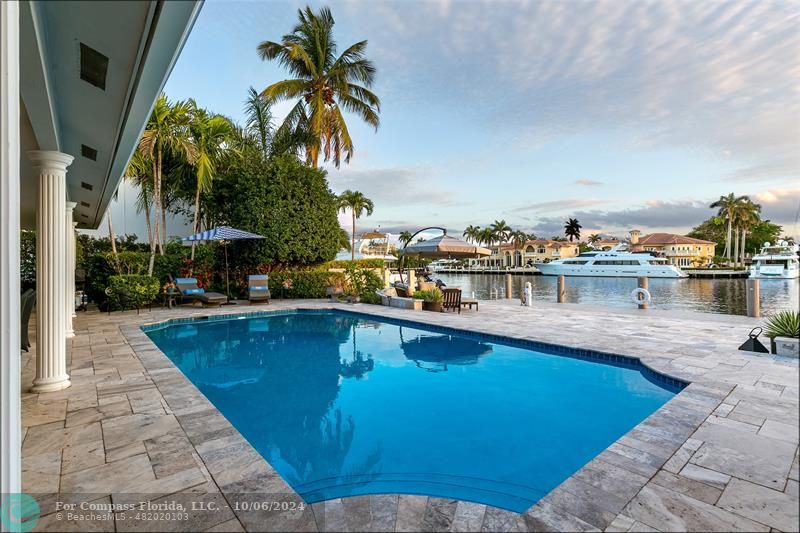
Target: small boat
(443, 264)
(615, 263)
(776, 261)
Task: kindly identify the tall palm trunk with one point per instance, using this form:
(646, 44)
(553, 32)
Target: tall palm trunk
(353, 246)
(154, 234)
(736, 248)
(163, 228)
(728, 238)
(163, 240)
(195, 225)
(744, 237)
(111, 236)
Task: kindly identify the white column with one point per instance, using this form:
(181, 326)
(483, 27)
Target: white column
(10, 425)
(72, 270)
(51, 266)
(69, 270)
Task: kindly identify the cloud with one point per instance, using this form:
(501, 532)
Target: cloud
(717, 77)
(560, 205)
(587, 182)
(782, 206)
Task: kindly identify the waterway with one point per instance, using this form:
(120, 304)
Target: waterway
(726, 296)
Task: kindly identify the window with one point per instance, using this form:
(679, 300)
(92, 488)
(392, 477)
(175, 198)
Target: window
(541, 250)
(529, 250)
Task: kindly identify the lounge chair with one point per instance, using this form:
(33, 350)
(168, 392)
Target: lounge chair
(190, 290)
(258, 288)
(27, 300)
(402, 291)
(452, 299)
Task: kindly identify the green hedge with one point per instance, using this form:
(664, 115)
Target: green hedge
(358, 263)
(303, 283)
(132, 291)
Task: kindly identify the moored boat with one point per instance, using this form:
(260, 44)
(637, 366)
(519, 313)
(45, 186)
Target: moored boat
(617, 262)
(776, 261)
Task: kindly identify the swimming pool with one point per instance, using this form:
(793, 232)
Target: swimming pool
(343, 404)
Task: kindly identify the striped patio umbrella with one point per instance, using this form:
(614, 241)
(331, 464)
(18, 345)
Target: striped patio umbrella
(223, 234)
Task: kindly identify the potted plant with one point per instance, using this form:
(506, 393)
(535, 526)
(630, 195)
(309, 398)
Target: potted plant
(334, 287)
(783, 330)
(431, 299)
(169, 288)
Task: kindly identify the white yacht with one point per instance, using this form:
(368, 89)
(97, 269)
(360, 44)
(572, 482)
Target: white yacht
(777, 261)
(617, 262)
(443, 264)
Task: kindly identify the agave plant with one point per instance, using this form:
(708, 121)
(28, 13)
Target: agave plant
(783, 324)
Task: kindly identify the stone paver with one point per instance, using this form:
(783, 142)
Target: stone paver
(721, 455)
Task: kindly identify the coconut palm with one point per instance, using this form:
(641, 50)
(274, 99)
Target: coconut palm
(500, 231)
(726, 206)
(323, 83)
(357, 203)
(166, 131)
(210, 135)
(747, 216)
(486, 236)
(258, 113)
(471, 233)
(572, 229)
(404, 237)
(594, 238)
(518, 239)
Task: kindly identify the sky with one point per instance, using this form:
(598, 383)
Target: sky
(623, 114)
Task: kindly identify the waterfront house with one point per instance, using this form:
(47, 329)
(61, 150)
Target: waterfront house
(533, 251)
(606, 244)
(679, 250)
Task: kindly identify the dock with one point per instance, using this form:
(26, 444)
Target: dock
(712, 273)
(526, 271)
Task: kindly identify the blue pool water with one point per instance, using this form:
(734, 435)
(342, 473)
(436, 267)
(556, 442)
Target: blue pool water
(341, 404)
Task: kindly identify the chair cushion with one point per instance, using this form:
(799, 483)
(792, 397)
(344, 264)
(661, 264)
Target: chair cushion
(186, 281)
(198, 290)
(255, 288)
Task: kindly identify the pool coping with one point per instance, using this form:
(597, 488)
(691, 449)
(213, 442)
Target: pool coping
(606, 484)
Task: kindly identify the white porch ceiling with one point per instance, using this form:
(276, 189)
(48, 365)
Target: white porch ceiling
(62, 112)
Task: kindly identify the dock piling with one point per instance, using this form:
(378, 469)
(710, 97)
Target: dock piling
(562, 294)
(643, 284)
(753, 298)
(508, 286)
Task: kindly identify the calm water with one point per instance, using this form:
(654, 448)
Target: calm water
(341, 405)
(705, 295)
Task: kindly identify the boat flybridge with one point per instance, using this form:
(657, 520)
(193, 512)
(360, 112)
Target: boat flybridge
(617, 262)
(776, 261)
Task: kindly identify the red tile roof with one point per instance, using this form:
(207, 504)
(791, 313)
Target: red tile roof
(669, 238)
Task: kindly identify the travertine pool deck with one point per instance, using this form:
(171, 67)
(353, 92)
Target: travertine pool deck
(721, 456)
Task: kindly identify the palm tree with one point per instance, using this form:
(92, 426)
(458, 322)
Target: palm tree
(357, 203)
(324, 83)
(258, 112)
(404, 237)
(594, 238)
(572, 229)
(726, 206)
(747, 216)
(139, 172)
(518, 239)
(210, 135)
(471, 232)
(486, 236)
(166, 131)
(500, 230)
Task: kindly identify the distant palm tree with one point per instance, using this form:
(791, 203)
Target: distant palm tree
(471, 233)
(518, 239)
(357, 203)
(747, 216)
(557, 238)
(486, 237)
(323, 83)
(727, 206)
(594, 238)
(404, 237)
(532, 237)
(572, 229)
(500, 231)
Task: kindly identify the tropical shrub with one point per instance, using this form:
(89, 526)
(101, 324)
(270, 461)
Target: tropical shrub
(359, 263)
(433, 295)
(364, 283)
(302, 283)
(783, 324)
(132, 290)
